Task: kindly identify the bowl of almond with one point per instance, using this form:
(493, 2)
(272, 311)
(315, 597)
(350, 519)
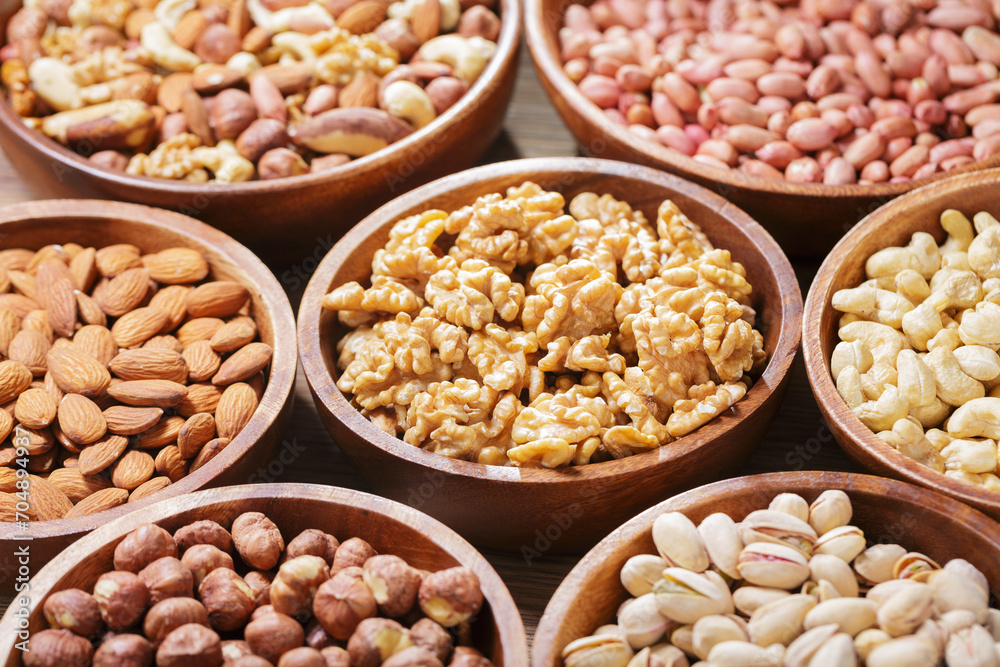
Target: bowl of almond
(143, 355)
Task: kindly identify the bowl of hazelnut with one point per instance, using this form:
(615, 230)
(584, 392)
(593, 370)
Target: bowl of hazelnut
(534, 350)
(295, 575)
(808, 118)
(258, 116)
(144, 355)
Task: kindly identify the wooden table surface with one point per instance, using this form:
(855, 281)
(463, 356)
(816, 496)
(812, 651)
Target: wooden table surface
(797, 440)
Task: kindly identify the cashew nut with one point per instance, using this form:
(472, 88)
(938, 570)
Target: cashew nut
(296, 44)
(878, 377)
(978, 362)
(912, 286)
(245, 63)
(225, 162)
(956, 289)
(981, 326)
(959, 231)
(938, 438)
(979, 418)
(467, 57)
(156, 39)
(880, 415)
(954, 387)
(931, 415)
(848, 318)
(451, 12)
(984, 253)
(880, 305)
(915, 379)
(972, 456)
(850, 354)
(921, 255)
(947, 338)
(883, 341)
(849, 386)
(81, 13)
(921, 324)
(967, 477)
(53, 81)
(984, 220)
(955, 259)
(170, 12)
(907, 437)
(406, 100)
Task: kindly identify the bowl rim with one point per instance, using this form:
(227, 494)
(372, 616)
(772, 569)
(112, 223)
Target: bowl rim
(544, 48)
(324, 389)
(505, 57)
(823, 387)
(769, 484)
(278, 393)
(510, 627)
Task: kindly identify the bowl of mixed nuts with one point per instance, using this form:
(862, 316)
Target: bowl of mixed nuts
(143, 355)
(784, 569)
(926, 265)
(294, 575)
(806, 115)
(245, 113)
(552, 344)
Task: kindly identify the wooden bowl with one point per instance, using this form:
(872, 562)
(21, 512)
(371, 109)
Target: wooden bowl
(535, 510)
(99, 223)
(886, 510)
(806, 219)
(891, 225)
(317, 208)
(389, 527)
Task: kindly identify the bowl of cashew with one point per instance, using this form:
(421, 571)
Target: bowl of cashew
(278, 116)
(900, 338)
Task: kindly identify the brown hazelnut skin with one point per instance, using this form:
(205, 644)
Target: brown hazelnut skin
(249, 661)
(201, 559)
(451, 596)
(261, 136)
(331, 161)
(281, 163)
(273, 635)
(336, 656)
(217, 44)
(413, 657)
(427, 634)
(228, 599)
(204, 532)
(393, 583)
(479, 21)
(304, 656)
(142, 546)
(167, 577)
(398, 34)
(352, 553)
(166, 616)
(295, 584)
(232, 113)
(376, 640)
(260, 611)
(260, 584)
(75, 610)
(466, 656)
(445, 91)
(341, 603)
(190, 645)
(314, 543)
(124, 651)
(57, 648)
(122, 598)
(317, 636)
(112, 160)
(257, 540)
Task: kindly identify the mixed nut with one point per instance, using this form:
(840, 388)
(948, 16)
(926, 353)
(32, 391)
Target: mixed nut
(917, 362)
(120, 373)
(181, 601)
(509, 332)
(818, 91)
(792, 586)
(231, 90)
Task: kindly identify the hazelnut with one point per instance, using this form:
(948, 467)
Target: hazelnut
(167, 577)
(232, 112)
(272, 635)
(429, 635)
(112, 160)
(75, 610)
(201, 559)
(234, 649)
(321, 98)
(352, 552)
(217, 44)
(172, 125)
(124, 651)
(122, 599)
(228, 599)
(393, 583)
(166, 616)
(336, 656)
(204, 532)
(260, 611)
(281, 163)
(315, 543)
(142, 546)
(398, 34)
(57, 648)
(451, 596)
(376, 640)
(343, 602)
(317, 636)
(260, 584)
(331, 161)
(190, 645)
(257, 540)
(479, 21)
(466, 656)
(261, 136)
(249, 661)
(295, 584)
(445, 91)
(413, 657)
(304, 656)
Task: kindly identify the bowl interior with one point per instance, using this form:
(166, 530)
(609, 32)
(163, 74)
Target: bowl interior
(886, 510)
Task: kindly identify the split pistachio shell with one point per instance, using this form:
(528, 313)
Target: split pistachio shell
(773, 565)
(722, 541)
(969, 571)
(641, 572)
(605, 648)
(906, 611)
(836, 572)
(867, 640)
(791, 503)
(953, 591)
(874, 565)
(851, 615)
(801, 651)
(642, 622)
(971, 647)
(745, 654)
(686, 596)
(747, 599)
(715, 629)
(903, 652)
(882, 592)
(779, 528)
(838, 651)
(781, 621)
(830, 510)
(844, 542)
(914, 566)
(679, 543)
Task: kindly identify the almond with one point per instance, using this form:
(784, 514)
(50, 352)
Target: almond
(197, 430)
(63, 439)
(83, 268)
(38, 320)
(35, 409)
(4, 282)
(202, 361)
(138, 326)
(56, 295)
(23, 282)
(234, 334)
(115, 259)
(90, 312)
(189, 29)
(132, 470)
(8, 480)
(239, 18)
(7, 455)
(34, 441)
(46, 500)
(96, 341)
(172, 301)
(14, 378)
(81, 420)
(362, 17)
(142, 393)
(18, 304)
(149, 488)
(361, 92)
(163, 433)
(201, 328)
(426, 20)
(201, 397)
(98, 456)
(176, 266)
(30, 348)
(290, 78)
(211, 449)
(43, 463)
(76, 485)
(99, 501)
(220, 298)
(235, 409)
(44, 254)
(170, 464)
(6, 424)
(170, 96)
(243, 364)
(211, 79)
(54, 391)
(8, 509)
(149, 364)
(123, 293)
(10, 324)
(123, 420)
(164, 342)
(15, 258)
(78, 373)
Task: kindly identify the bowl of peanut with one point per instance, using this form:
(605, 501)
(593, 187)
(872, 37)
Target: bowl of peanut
(552, 344)
(296, 575)
(143, 355)
(807, 115)
(242, 114)
(907, 382)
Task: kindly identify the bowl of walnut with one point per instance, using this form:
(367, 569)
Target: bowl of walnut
(143, 355)
(534, 350)
(294, 575)
(245, 113)
(929, 261)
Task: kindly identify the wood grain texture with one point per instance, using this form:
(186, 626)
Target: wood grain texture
(94, 223)
(891, 225)
(389, 527)
(886, 510)
(529, 502)
(807, 219)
